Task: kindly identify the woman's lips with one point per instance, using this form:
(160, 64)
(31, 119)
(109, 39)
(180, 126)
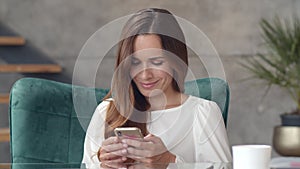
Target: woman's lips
(148, 85)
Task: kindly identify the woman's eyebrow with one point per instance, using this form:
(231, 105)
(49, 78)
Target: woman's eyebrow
(156, 57)
(152, 58)
(133, 57)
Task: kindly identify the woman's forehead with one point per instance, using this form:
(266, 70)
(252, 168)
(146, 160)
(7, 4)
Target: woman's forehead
(147, 41)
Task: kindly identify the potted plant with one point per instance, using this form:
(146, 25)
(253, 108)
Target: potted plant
(280, 65)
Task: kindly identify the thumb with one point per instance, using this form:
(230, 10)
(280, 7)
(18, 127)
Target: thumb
(150, 137)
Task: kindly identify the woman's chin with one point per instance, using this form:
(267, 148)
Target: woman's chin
(153, 93)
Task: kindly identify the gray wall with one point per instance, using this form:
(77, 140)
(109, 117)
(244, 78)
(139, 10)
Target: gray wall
(60, 28)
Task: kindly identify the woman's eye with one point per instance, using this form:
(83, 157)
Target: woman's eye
(157, 62)
(135, 62)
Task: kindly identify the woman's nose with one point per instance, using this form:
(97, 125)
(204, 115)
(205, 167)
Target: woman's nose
(145, 73)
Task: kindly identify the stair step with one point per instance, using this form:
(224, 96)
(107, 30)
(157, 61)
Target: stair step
(11, 41)
(5, 166)
(4, 98)
(30, 68)
(4, 135)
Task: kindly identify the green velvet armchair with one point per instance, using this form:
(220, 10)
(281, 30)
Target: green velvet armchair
(45, 128)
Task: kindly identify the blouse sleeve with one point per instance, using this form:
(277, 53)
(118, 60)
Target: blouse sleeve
(95, 135)
(211, 140)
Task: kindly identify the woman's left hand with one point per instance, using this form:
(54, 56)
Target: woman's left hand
(149, 150)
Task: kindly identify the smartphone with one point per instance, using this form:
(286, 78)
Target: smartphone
(128, 132)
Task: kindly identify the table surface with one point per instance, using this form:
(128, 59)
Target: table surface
(129, 166)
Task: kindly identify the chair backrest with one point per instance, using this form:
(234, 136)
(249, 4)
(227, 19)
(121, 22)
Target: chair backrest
(45, 127)
(214, 89)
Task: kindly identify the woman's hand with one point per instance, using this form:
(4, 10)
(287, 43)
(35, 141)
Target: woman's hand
(148, 166)
(149, 150)
(112, 151)
(108, 165)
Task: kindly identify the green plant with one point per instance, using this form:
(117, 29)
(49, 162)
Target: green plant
(280, 64)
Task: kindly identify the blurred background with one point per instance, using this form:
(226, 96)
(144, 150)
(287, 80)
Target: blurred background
(56, 30)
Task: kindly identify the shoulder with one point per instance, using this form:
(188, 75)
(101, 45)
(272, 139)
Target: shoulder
(203, 108)
(102, 107)
(201, 103)
(207, 114)
(100, 111)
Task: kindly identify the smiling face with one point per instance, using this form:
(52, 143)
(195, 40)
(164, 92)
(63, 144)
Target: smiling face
(150, 69)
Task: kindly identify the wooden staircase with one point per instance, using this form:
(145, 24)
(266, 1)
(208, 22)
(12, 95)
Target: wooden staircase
(30, 68)
(11, 41)
(4, 98)
(4, 135)
(5, 166)
(20, 68)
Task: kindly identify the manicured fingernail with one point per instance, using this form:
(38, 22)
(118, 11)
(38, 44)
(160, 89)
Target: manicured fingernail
(124, 158)
(123, 141)
(125, 145)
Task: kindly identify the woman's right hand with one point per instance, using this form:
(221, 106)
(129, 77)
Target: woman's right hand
(112, 151)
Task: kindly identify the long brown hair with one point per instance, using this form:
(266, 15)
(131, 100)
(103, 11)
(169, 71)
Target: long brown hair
(129, 105)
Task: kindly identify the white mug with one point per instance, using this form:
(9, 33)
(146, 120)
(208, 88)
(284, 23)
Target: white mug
(251, 156)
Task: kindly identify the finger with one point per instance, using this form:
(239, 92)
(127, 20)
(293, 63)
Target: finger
(142, 159)
(135, 143)
(140, 165)
(150, 165)
(114, 159)
(107, 157)
(117, 160)
(114, 164)
(148, 135)
(135, 158)
(152, 138)
(110, 140)
(114, 147)
(104, 166)
(113, 155)
(139, 152)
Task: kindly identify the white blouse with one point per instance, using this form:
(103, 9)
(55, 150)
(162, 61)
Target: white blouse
(194, 132)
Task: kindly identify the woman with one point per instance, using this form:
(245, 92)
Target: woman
(147, 92)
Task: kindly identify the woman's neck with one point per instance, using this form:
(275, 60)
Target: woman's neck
(161, 101)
